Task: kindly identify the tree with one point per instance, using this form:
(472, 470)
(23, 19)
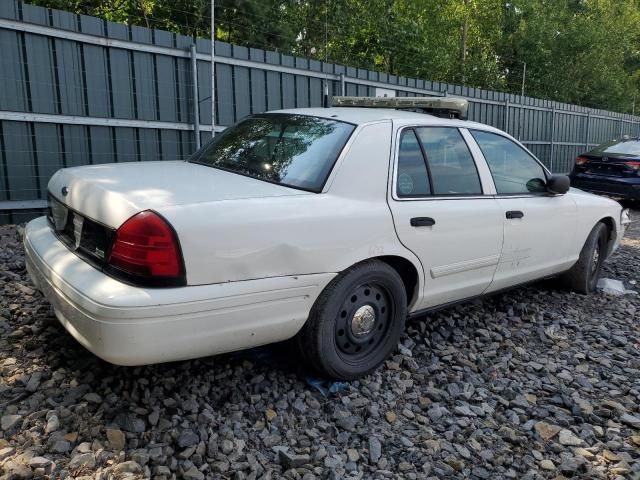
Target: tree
(577, 51)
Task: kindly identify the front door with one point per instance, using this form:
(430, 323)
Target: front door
(538, 227)
(441, 214)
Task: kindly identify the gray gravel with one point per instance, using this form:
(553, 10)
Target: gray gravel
(534, 383)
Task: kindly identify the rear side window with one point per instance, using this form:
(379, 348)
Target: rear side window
(629, 147)
(451, 166)
(292, 150)
(413, 178)
(512, 168)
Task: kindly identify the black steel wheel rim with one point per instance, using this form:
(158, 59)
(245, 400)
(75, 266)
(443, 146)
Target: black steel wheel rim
(354, 339)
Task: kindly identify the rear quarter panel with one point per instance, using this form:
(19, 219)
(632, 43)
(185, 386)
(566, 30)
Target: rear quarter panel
(254, 238)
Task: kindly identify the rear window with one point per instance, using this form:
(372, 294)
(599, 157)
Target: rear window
(292, 150)
(620, 147)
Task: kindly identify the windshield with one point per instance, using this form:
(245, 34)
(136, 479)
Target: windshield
(620, 147)
(293, 150)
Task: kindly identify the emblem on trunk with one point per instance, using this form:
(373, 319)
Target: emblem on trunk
(64, 191)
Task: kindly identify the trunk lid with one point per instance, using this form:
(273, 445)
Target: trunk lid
(613, 165)
(112, 193)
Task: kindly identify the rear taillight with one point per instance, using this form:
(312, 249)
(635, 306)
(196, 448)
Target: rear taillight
(633, 165)
(146, 252)
(581, 160)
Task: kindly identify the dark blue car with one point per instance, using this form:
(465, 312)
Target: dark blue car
(611, 169)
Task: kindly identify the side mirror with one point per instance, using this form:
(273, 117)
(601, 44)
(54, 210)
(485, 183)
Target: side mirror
(558, 184)
(536, 185)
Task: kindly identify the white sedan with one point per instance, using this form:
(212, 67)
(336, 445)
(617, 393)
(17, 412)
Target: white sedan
(330, 225)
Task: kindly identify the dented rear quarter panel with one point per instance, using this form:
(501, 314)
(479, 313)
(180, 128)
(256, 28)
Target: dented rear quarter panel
(251, 238)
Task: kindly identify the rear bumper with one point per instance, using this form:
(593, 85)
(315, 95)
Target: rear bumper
(127, 325)
(615, 186)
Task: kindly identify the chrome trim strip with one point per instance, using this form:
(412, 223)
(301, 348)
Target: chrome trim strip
(459, 267)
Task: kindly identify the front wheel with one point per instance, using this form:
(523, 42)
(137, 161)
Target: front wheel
(356, 321)
(583, 276)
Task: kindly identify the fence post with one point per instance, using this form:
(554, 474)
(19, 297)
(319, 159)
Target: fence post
(586, 136)
(553, 133)
(213, 68)
(520, 113)
(506, 116)
(196, 98)
(621, 126)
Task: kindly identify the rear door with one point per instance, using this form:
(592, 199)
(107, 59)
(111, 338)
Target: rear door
(538, 227)
(444, 211)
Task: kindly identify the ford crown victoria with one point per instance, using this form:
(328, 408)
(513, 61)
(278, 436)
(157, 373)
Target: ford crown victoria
(326, 225)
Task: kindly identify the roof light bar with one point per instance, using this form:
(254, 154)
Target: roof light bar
(446, 107)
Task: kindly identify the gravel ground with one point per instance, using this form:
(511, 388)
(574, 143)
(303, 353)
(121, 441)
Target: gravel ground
(534, 383)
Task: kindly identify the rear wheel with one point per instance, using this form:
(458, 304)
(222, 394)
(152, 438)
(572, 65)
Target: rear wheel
(584, 275)
(356, 321)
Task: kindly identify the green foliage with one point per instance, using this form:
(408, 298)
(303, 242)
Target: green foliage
(578, 51)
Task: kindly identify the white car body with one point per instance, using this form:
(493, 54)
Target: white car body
(257, 255)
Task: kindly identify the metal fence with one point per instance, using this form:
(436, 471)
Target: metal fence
(79, 90)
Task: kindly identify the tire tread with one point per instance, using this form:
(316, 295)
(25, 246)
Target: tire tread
(306, 340)
(577, 278)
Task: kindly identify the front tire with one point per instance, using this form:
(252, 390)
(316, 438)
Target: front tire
(356, 322)
(583, 276)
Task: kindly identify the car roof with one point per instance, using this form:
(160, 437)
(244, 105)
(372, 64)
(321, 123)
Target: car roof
(361, 116)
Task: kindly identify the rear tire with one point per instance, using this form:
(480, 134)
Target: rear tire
(583, 276)
(356, 322)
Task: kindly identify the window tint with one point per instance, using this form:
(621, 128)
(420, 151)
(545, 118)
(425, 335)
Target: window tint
(451, 166)
(293, 150)
(512, 168)
(413, 179)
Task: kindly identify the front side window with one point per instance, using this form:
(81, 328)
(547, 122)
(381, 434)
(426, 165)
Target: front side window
(292, 150)
(451, 166)
(513, 169)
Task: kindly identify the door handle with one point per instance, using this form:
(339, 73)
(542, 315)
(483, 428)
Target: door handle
(422, 222)
(515, 214)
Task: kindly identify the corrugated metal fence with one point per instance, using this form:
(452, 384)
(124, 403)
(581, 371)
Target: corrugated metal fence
(79, 90)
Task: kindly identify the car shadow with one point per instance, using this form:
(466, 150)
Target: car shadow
(52, 348)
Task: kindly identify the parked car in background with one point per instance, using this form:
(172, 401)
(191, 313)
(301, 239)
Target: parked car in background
(612, 168)
(330, 225)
